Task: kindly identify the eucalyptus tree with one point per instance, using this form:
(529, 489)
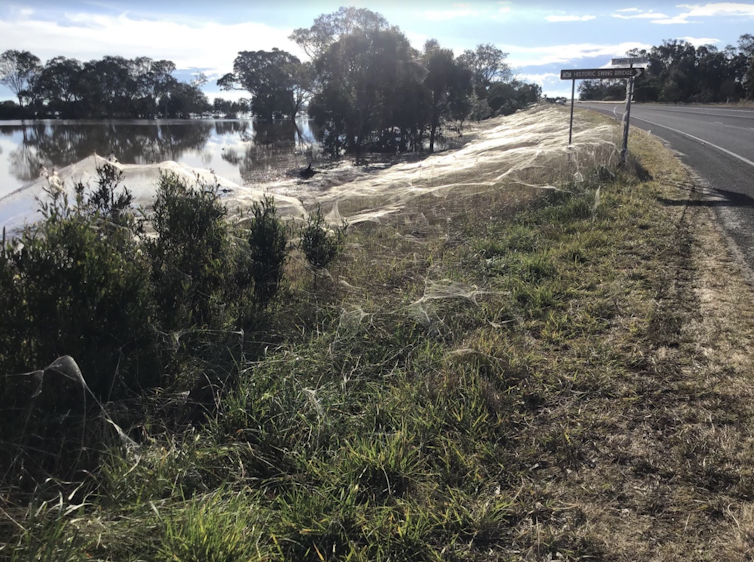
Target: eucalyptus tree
(450, 83)
(57, 83)
(487, 64)
(360, 74)
(17, 72)
(154, 80)
(330, 28)
(275, 79)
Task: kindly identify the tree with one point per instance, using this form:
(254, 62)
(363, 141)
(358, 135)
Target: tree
(17, 70)
(185, 100)
(154, 80)
(329, 28)
(57, 85)
(275, 79)
(199, 80)
(746, 61)
(303, 85)
(507, 98)
(362, 76)
(487, 64)
(449, 83)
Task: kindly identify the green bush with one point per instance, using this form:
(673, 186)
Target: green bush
(191, 255)
(268, 250)
(319, 244)
(76, 285)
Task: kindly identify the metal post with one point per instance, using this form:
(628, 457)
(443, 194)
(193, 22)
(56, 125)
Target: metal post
(570, 127)
(627, 117)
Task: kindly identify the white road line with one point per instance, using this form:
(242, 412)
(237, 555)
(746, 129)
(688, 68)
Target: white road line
(655, 108)
(675, 107)
(720, 148)
(700, 112)
(750, 129)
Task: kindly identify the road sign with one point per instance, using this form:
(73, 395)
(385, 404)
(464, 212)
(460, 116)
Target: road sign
(600, 73)
(630, 60)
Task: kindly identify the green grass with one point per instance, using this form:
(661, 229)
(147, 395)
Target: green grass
(488, 425)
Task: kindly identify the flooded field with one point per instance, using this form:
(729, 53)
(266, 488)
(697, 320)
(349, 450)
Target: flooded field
(239, 150)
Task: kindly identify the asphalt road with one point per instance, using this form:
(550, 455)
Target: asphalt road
(718, 144)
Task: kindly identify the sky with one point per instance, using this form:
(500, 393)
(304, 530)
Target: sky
(541, 38)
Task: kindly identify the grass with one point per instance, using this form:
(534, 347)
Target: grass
(513, 375)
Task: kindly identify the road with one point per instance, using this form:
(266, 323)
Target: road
(718, 144)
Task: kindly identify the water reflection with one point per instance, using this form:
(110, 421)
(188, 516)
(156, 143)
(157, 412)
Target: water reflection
(240, 150)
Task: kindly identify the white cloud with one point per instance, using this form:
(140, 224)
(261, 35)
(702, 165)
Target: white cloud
(538, 56)
(629, 10)
(720, 9)
(570, 18)
(642, 15)
(86, 36)
(539, 78)
(699, 41)
(458, 11)
(679, 19)
(505, 10)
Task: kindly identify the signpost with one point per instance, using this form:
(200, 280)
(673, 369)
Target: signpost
(600, 73)
(630, 61)
(608, 74)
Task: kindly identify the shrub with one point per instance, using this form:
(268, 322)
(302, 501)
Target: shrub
(105, 201)
(191, 254)
(268, 247)
(72, 285)
(319, 244)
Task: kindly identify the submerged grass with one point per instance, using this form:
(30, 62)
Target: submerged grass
(505, 376)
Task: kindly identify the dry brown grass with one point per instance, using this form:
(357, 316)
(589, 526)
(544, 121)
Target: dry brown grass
(669, 451)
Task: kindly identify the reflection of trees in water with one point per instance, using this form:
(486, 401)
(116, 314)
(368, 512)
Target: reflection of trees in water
(277, 147)
(231, 156)
(61, 145)
(280, 133)
(57, 145)
(230, 127)
(24, 163)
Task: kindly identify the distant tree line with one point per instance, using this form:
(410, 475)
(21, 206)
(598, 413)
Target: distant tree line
(111, 87)
(678, 72)
(365, 86)
(368, 89)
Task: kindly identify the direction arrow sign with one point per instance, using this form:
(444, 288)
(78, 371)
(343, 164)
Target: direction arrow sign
(630, 60)
(600, 73)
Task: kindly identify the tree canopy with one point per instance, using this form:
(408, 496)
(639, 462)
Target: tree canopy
(373, 90)
(365, 85)
(680, 72)
(109, 87)
(276, 80)
(17, 71)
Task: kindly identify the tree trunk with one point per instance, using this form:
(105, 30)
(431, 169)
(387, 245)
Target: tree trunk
(435, 121)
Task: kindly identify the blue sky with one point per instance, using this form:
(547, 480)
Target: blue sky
(540, 37)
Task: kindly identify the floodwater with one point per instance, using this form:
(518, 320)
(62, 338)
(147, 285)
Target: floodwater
(240, 150)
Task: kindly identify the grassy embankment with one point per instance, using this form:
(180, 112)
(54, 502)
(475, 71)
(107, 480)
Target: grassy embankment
(585, 393)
